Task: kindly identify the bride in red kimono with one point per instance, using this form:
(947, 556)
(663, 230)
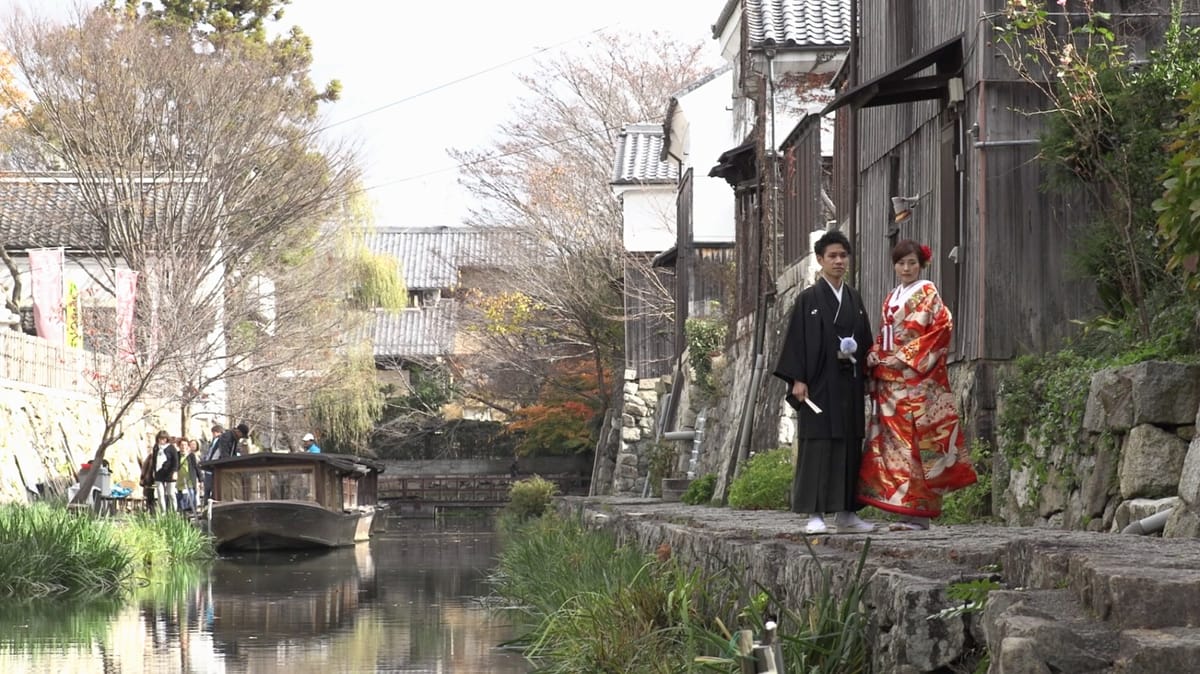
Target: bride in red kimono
(915, 450)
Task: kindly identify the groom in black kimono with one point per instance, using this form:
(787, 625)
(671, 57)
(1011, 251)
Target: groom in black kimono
(824, 364)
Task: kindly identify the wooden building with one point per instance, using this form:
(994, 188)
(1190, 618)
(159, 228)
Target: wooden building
(929, 111)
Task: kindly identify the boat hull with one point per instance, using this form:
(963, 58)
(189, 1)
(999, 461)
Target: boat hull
(284, 525)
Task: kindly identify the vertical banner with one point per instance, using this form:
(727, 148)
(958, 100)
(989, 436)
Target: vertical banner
(71, 311)
(46, 277)
(126, 297)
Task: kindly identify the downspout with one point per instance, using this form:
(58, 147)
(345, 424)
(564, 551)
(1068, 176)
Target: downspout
(852, 133)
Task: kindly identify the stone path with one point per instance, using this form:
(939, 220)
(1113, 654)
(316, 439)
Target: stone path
(1072, 601)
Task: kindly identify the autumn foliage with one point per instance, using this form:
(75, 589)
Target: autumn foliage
(563, 421)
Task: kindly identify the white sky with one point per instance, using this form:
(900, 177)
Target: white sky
(387, 50)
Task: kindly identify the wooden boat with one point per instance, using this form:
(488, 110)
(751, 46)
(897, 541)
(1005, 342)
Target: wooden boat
(269, 501)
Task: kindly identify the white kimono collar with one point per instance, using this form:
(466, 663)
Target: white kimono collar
(902, 292)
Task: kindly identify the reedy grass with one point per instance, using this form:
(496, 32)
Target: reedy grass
(590, 605)
(827, 635)
(48, 551)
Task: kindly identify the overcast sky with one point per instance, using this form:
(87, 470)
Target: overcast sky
(385, 51)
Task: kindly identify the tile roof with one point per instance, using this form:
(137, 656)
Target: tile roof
(791, 23)
(637, 160)
(430, 257)
(46, 211)
(414, 333)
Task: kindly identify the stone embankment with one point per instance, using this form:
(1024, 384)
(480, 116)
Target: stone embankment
(1070, 601)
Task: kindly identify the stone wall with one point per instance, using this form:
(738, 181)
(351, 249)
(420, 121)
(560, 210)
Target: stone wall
(47, 434)
(1137, 455)
(1065, 601)
(639, 414)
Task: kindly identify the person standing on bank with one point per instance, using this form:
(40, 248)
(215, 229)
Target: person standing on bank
(824, 364)
(166, 464)
(915, 448)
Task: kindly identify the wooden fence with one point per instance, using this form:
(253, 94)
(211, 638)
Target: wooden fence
(37, 362)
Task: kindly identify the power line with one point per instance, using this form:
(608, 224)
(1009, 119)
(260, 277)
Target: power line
(492, 157)
(462, 79)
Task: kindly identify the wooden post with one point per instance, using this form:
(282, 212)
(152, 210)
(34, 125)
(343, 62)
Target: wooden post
(745, 651)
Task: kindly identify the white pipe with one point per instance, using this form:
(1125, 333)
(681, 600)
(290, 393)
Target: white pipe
(1148, 525)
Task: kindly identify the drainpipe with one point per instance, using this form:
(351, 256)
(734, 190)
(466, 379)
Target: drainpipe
(852, 138)
(1149, 525)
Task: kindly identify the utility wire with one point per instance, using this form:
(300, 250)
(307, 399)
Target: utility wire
(462, 79)
(488, 158)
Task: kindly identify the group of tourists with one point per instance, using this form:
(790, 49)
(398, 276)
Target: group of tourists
(171, 477)
(876, 418)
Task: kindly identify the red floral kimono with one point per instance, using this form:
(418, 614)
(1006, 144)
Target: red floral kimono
(914, 449)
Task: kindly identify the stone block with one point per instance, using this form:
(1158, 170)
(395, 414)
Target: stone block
(1166, 394)
(1184, 522)
(1138, 509)
(1189, 476)
(630, 375)
(630, 389)
(1099, 473)
(1173, 649)
(1109, 402)
(1151, 462)
(631, 434)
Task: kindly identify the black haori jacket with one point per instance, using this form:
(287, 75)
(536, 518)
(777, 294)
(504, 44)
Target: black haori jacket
(809, 354)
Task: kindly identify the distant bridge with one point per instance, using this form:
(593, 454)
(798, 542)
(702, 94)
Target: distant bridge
(432, 492)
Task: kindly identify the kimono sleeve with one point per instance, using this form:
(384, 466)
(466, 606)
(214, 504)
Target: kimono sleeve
(930, 325)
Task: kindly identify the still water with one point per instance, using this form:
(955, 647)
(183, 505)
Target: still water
(408, 601)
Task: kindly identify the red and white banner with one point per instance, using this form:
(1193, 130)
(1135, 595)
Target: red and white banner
(46, 279)
(126, 298)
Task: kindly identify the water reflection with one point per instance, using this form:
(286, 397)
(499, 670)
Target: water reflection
(405, 602)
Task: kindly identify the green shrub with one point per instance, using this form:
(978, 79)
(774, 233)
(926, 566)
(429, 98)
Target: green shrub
(765, 483)
(530, 498)
(700, 491)
(704, 337)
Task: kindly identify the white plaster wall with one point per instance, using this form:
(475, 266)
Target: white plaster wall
(649, 216)
(707, 126)
(94, 283)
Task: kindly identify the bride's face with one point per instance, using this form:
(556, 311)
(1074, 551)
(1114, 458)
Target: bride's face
(908, 268)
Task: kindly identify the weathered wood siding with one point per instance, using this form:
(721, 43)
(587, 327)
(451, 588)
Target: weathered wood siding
(901, 149)
(649, 329)
(802, 182)
(980, 185)
(712, 269)
(683, 257)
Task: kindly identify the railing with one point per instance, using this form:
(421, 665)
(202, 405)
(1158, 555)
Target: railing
(464, 490)
(37, 362)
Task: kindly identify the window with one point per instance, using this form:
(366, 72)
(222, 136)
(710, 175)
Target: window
(288, 484)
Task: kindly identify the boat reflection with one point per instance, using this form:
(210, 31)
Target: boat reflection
(279, 597)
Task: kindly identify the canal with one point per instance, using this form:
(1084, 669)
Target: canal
(409, 600)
